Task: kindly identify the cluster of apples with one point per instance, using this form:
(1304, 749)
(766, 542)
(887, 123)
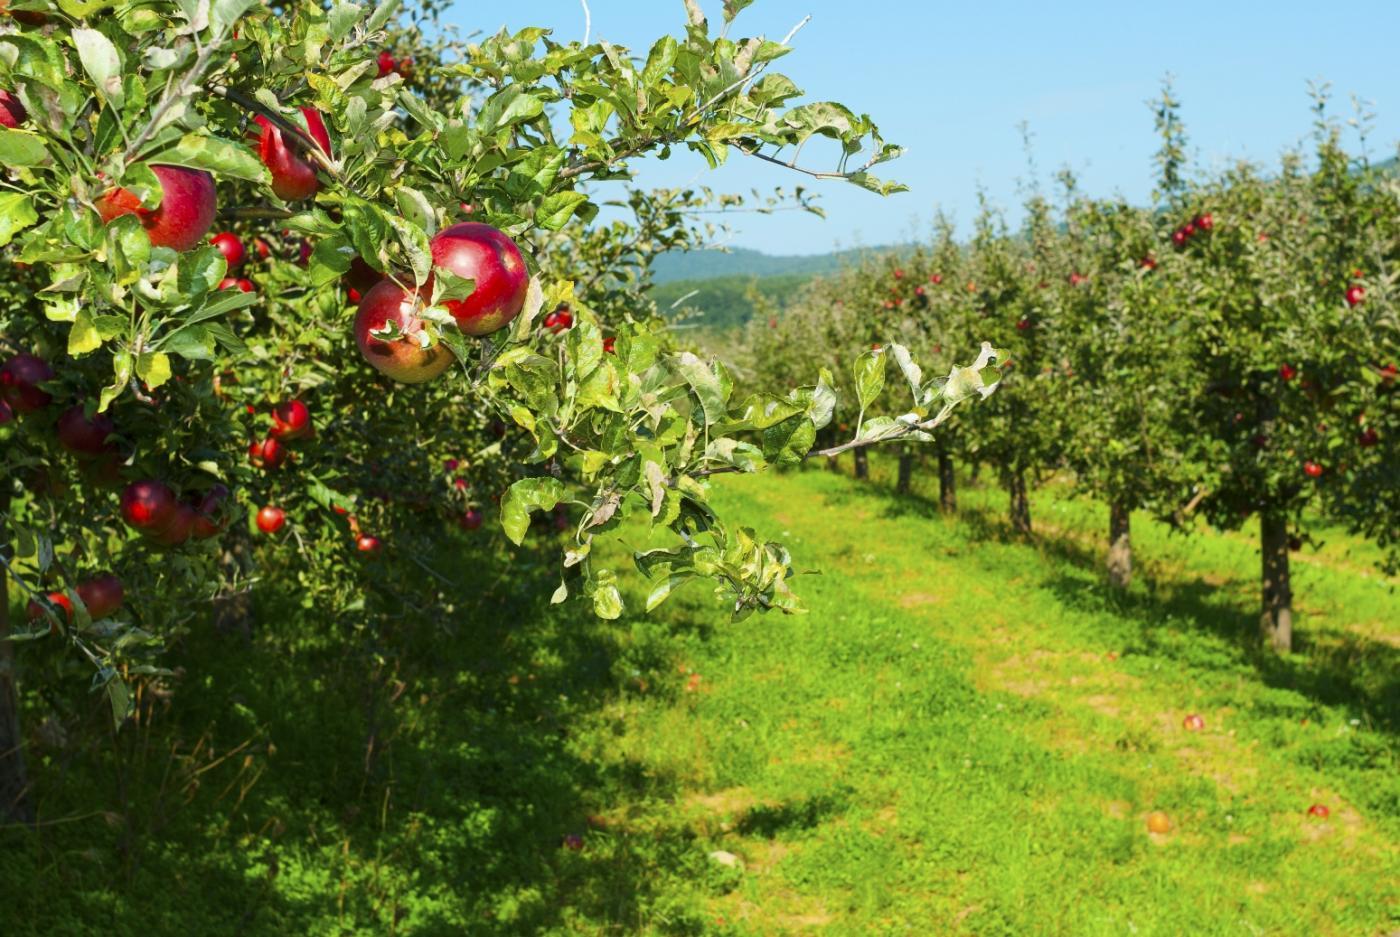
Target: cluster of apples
(152, 508)
(1201, 224)
(86, 436)
(388, 65)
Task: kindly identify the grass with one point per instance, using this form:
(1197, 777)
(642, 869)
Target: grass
(963, 736)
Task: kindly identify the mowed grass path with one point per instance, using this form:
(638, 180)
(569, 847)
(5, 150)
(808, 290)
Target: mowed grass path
(963, 737)
(966, 734)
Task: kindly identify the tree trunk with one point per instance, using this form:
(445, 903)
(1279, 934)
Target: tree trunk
(976, 472)
(947, 484)
(233, 611)
(1020, 503)
(1277, 619)
(1120, 544)
(862, 463)
(14, 782)
(906, 472)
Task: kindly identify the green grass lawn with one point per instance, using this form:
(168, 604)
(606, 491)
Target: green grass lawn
(964, 735)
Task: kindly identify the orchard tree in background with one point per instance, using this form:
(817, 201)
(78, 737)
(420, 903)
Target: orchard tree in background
(283, 285)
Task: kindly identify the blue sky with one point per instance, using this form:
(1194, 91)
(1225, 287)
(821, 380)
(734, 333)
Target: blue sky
(952, 82)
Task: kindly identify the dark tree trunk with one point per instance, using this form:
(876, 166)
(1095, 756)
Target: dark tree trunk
(906, 472)
(14, 782)
(862, 463)
(233, 612)
(1277, 619)
(1120, 544)
(1020, 503)
(947, 483)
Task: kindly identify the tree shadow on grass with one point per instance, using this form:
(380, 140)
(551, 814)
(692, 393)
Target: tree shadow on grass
(1334, 668)
(405, 776)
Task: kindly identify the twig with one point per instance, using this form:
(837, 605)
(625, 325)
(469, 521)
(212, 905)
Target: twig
(587, 21)
(180, 91)
(273, 213)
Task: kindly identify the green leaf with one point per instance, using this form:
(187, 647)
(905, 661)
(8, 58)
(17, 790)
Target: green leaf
(555, 210)
(200, 151)
(870, 377)
(705, 383)
(607, 602)
(83, 337)
(22, 148)
(153, 368)
(16, 214)
(226, 13)
(525, 496)
(101, 62)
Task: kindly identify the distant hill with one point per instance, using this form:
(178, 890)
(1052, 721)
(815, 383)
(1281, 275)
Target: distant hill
(743, 262)
(719, 303)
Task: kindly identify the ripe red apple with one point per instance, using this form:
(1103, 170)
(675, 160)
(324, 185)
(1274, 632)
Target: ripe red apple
(1075, 279)
(472, 519)
(102, 595)
(211, 515)
(1312, 469)
(1158, 822)
(230, 246)
(368, 544)
(562, 319)
(385, 63)
(240, 283)
(899, 274)
(610, 345)
(936, 279)
(486, 255)
(148, 505)
(186, 211)
(1368, 437)
(179, 529)
(1193, 723)
(271, 519)
(1023, 324)
(1320, 811)
(291, 420)
(1188, 229)
(1179, 237)
(1205, 222)
(267, 453)
(60, 599)
(1287, 372)
(293, 178)
(85, 438)
(12, 112)
(1355, 295)
(20, 378)
(262, 249)
(403, 359)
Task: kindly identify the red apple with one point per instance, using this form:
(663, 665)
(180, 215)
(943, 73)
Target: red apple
(610, 345)
(1179, 237)
(186, 211)
(486, 255)
(230, 246)
(211, 516)
(1205, 222)
(472, 519)
(293, 178)
(1287, 372)
(1320, 811)
(60, 599)
(936, 279)
(403, 359)
(20, 378)
(385, 63)
(368, 544)
(1355, 295)
(1149, 262)
(899, 274)
(85, 438)
(1312, 469)
(267, 453)
(562, 319)
(1193, 723)
(12, 112)
(179, 529)
(291, 420)
(148, 505)
(102, 595)
(1023, 324)
(262, 249)
(1368, 437)
(271, 519)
